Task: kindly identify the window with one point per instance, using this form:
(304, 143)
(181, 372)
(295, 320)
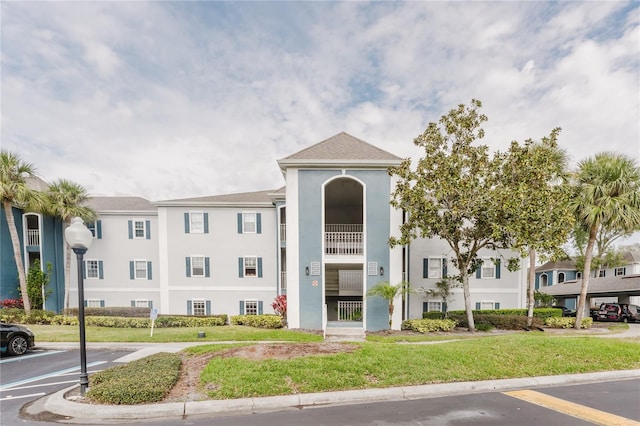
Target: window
(93, 269)
(94, 303)
(96, 228)
(142, 303)
(434, 307)
(488, 269)
(140, 269)
(483, 306)
(578, 275)
(561, 277)
(139, 229)
(543, 280)
(601, 273)
(199, 308)
(435, 267)
(620, 271)
(196, 223)
(251, 307)
(249, 223)
(198, 266)
(250, 266)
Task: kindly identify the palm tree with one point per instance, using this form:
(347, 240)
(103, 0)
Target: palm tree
(66, 200)
(15, 191)
(388, 292)
(607, 197)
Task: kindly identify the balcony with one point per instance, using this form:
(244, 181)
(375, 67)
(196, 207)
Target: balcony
(33, 237)
(343, 239)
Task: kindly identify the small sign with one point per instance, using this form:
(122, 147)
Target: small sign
(314, 283)
(153, 314)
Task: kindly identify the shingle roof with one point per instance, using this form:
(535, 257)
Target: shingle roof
(567, 264)
(105, 204)
(343, 147)
(239, 198)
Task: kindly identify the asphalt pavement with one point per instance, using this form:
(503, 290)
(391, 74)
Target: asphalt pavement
(68, 405)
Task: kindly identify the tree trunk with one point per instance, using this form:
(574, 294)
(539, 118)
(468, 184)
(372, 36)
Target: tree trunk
(390, 314)
(15, 240)
(467, 302)
(532, 285)
(586, 273)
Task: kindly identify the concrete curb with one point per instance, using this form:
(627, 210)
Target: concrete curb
(57, 403)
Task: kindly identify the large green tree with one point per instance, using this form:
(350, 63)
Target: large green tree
(66, 200)
(453, 193)
(607, 196)
(536, 203)
(15, 191)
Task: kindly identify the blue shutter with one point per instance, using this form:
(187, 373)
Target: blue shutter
(477, 306)
(242, 307)
(444, 306)
(260, 307)
(149, 270)
(259, 267)
(444, 268)
(239, 223)
(189, 307)
(133, 303)
(84, 269)
(425, 268)
(479, 271)
(207, 269)
(259, 223)
(130, 230)
(131, 270)
(425, 307)
(207, 307)
(497, 305)
(186, 223)
(85, 303)
(206, 222)
(188, 264)
(100, 269)
(99, 229)
(240, 267)
(498, 269)
(147, 225)
(102, 303)
(151, 304)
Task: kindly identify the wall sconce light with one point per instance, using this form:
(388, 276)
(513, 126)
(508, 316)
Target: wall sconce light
(306, 270)
(381, 271)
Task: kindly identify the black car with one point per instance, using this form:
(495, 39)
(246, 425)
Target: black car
(619, 312)
(566, 312)
(15, 339)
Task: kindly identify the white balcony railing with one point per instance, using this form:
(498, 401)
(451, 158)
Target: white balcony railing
(283, 232)
(349, 311)
(283, 282)
(343, 239)
(33, 237)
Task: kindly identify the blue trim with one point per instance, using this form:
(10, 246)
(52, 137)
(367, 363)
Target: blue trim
(259, 223)
(206, 222)
(207, 268)
(131, 270)
(149, 270)
(186, 223)
(147, 225)
(130, 223)
(239, 223)
(188, 264)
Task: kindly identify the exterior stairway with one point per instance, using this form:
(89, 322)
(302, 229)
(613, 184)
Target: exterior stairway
(344, 331)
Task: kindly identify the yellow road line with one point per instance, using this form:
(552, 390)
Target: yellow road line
(571, 409)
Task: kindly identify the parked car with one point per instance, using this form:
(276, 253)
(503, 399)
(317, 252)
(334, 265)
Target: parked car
(15, 339)
(619, 312)
(566, 312)
(594, 312)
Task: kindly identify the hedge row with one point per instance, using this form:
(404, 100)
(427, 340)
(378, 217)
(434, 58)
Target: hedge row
(503, 322)
(111, 311)
(48, 317)
(142, 381)
(260, 321)
(568, 322)
(429, 325)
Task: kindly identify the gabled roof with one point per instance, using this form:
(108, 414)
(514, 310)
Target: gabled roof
(342, 149)
(565, 265)
(597, 286)
(120, 204)
(256, 198)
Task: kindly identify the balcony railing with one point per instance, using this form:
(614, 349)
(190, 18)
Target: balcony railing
(283, 232)
(349, 311)
(343, 239)
(33, 237)
(283, 282)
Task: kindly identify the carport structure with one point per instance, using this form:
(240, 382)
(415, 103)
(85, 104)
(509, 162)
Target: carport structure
(622, 287)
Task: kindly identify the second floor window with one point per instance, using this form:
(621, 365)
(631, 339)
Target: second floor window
(620, 271)
(139, 229)
(198, 266)
(249, 223)
(93, 269)
(140, 269)
(250, 266)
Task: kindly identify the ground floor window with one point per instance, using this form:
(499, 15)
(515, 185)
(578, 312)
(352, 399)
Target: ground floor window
(94, 303)
(142, 303)
(251, 307)
(199, 308)
(485, 306)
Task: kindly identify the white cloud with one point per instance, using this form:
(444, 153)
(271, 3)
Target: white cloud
(172, 99)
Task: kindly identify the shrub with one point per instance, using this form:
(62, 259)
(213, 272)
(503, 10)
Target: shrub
(567, 322)
(541, 313)
(11, 314)
(12, 303)
(484, 327)
(191, 321)
(142, 381)
(502, 322)
(259, 321)
(112, 311)
(429, 325)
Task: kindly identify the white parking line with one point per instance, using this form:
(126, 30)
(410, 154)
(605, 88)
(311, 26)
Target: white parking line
(38, 386)
(22, 396)
(23, 357)
(46, 376)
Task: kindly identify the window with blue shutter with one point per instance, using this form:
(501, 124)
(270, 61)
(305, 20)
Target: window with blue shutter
(149, 270)
(186, 223)
(189, 307)
(260, 304)
(497, 305)
(259, 267)
(239, 223)
(206, 223)
(188, 264)
(132, 270)
(241, 267)
(99, 229)
(241, 309)
(147, 225)
(208, 307)
(479, 272)
(478, 306)
(444, 268)
(425, 307)
(425, 268)
(498, 269)
(207, 268)
(100, 270)
(259, 223)
(130, 226)
(133, 303)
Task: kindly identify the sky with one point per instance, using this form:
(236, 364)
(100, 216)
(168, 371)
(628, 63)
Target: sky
(168, 100)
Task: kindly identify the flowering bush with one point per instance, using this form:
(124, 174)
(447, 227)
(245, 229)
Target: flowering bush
(11, 303)
(279, 305)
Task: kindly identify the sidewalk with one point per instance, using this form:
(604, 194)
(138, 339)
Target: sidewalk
(62, 403)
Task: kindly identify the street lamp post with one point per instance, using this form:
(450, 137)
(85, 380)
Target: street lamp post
(79, 238)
